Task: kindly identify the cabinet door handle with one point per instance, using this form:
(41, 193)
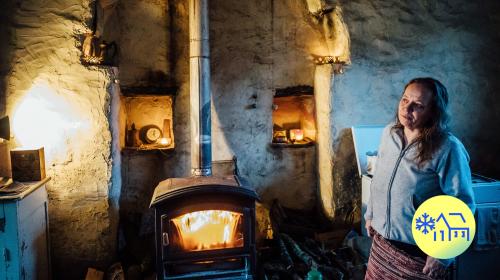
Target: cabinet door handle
(165, 239)
(6, 254)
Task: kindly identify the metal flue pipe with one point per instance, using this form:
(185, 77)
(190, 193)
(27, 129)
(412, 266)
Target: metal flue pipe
(199, 78)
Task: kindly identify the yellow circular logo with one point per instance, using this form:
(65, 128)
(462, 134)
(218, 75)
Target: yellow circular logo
(443, 227)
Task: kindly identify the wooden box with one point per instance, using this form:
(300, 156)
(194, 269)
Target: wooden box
(27, 165)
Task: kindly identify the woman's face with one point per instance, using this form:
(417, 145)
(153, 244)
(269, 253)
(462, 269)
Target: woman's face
(415, 107)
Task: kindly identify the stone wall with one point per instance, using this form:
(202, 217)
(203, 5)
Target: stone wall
(150, 58)
(6, 8)
(55, 101)
(6, 45)
(143, 31)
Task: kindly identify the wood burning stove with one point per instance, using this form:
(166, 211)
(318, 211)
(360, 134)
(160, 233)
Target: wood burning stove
(205, 228)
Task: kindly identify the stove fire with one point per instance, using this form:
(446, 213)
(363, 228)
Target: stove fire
(209, 230)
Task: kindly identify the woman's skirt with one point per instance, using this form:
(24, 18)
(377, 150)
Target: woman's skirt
(387, 262)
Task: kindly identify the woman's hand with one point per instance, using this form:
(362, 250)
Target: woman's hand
(368, 224)
(433, 268)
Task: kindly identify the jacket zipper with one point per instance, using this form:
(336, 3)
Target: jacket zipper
(388, 211)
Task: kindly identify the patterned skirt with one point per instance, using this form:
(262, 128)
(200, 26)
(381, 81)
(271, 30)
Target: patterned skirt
(388, 262)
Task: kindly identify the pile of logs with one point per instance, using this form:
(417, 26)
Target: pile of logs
(299, 247)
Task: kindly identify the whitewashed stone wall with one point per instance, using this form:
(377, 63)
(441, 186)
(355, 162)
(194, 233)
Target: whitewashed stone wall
(142, 29)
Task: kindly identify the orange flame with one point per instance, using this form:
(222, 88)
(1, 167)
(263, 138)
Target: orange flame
(209, 229)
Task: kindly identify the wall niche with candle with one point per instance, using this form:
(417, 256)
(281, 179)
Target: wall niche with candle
(294, 124)
(146, 118)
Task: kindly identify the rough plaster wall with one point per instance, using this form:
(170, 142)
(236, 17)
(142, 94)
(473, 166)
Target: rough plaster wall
(328, 15)
(143, 170)
(257, 46)
(144, 42)
(138, 187)
(393, 41)
(336, 34)
(323, 79)
(44, 50)
(149, 58)
(6, 8)
(295, 36)
(180, 163)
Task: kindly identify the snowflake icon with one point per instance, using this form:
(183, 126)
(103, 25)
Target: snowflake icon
(425, 223)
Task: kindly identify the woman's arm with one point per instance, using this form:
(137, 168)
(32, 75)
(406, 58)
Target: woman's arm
(455, 180)
(455, 175)
(369, 215)
(369, 207)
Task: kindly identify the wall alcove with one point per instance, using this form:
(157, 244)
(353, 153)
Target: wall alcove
(294, 123)
(146, 118)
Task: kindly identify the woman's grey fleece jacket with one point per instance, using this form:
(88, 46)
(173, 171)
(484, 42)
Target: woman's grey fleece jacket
(399, 186)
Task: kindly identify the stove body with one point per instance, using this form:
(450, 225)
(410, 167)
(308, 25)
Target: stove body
(204, 228)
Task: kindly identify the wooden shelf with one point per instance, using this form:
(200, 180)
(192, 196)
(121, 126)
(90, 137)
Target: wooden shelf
(149, 148)
(294, 91)
(300, 144)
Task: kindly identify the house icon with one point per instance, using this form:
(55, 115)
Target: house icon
(452, 232)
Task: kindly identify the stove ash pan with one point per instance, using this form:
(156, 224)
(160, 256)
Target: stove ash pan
(204, 228)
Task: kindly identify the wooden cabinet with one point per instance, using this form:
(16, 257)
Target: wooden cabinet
(24, 233)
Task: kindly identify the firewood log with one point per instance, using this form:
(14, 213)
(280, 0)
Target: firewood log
(275, 267)
(316, 251)
(285, 255)
(298, 252)
(330, 272)
(278, 270)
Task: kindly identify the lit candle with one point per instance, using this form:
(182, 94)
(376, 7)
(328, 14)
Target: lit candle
(164, 141)
(296, 134)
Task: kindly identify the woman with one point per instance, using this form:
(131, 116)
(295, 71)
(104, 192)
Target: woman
(418, 158)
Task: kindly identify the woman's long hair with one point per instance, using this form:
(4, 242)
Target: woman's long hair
(434, 131)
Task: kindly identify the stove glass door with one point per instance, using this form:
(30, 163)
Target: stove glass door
(207, 230)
